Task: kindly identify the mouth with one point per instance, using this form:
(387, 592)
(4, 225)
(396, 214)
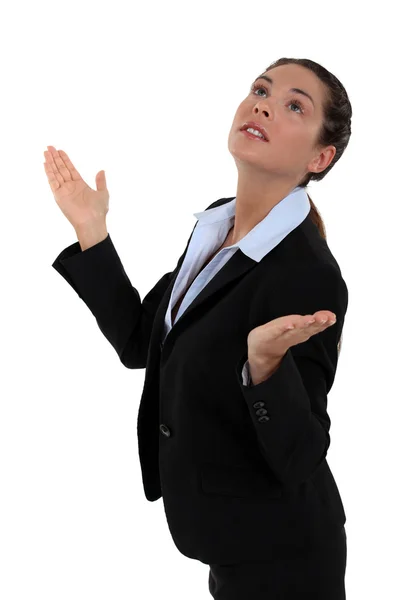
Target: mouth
(252, 136)
(258, 127)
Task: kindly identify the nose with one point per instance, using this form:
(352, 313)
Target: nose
(266, 106)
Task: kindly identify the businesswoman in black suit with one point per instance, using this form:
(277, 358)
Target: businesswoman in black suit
(240, 343)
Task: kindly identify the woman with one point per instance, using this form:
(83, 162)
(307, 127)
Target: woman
(240, 344)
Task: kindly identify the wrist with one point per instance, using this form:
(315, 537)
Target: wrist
(91, 233)
(261, 368)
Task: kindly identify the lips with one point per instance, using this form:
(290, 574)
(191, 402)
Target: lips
(257, 126)
(256, 138)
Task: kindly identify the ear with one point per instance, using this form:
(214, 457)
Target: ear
(323, 160)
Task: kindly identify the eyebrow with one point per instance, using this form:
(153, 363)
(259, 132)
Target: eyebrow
(297, 90)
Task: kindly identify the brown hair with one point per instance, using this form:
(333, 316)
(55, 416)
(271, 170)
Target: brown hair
(335, 129)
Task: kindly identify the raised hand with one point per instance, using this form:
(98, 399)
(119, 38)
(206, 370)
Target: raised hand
(80, 204)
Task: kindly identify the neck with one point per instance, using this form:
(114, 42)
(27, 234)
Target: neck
(254, 201)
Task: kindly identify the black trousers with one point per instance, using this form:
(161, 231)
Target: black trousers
(313, 575)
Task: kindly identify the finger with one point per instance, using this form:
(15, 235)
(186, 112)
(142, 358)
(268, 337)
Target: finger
(54, 184)
(53, 159)
(325, 314)
(54, 177)
(59, 164)
(316, 326)
(68, 164)
(296, 322)
(325, 318)
(310, 323)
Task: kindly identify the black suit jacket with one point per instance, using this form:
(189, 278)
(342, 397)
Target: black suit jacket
(242, 470)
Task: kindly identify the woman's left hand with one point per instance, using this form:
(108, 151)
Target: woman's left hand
(272, 340)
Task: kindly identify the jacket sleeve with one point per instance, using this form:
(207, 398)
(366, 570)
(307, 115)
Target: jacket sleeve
(289, 409)
(98, 277)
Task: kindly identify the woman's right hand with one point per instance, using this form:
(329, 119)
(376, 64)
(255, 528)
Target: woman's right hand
(80, 204)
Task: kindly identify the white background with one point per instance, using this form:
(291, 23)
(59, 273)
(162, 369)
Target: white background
(148, 93)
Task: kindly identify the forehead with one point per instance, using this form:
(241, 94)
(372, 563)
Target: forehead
(296, 74)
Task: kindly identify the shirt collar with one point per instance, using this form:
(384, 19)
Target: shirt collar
(281, 220)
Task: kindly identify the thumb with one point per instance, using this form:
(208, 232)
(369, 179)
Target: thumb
(101, 181)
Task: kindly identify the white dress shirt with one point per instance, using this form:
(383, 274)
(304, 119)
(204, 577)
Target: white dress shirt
(210, 233)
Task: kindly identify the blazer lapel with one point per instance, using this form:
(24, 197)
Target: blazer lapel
(233, 270)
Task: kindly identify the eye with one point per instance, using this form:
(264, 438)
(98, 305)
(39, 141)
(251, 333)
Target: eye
(255, 87)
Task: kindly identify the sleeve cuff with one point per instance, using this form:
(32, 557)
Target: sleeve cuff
(246, 378)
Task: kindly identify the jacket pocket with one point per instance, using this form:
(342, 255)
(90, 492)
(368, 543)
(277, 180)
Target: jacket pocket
(240, 482)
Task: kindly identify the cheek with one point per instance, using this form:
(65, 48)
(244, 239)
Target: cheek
(294, 140)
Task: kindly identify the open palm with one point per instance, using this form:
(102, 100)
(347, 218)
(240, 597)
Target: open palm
(274, 338)
(79, 202)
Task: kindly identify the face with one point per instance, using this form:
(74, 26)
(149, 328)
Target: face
(292, 121)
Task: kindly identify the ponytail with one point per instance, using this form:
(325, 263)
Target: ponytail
(317, 220)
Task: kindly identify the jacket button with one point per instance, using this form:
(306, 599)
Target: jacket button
(164, 430)
(258, 404)
(161, 345)
(263, 419)
(261, 411)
